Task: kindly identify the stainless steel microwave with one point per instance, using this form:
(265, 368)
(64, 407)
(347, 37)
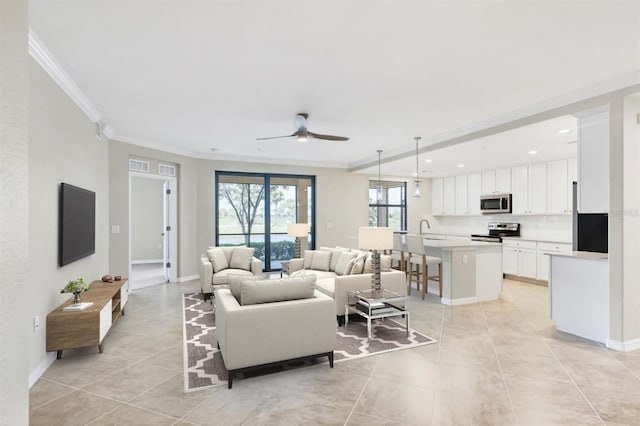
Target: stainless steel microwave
(495, 203)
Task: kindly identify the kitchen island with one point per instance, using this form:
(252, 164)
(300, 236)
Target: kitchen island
(579, 294)
(471, 270)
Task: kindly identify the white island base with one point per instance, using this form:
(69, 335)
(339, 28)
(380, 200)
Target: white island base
(579, 294)
(471, 270)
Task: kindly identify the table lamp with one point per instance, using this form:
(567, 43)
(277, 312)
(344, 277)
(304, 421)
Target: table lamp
(375, 239)
(297, 230)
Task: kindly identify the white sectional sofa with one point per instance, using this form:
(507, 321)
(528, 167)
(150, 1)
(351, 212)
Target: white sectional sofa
(334, 277)
(223, 262)
(261, 322)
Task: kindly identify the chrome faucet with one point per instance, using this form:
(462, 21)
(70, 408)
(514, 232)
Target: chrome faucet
(421, 223)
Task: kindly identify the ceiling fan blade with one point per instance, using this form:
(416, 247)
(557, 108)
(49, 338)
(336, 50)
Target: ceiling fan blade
(276, 137)
(327, 137)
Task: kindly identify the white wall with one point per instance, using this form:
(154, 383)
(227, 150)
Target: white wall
(147, 202)
(63, 148)
(14, 209)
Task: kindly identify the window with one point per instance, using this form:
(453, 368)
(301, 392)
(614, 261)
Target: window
(391, 209)
(253, 209)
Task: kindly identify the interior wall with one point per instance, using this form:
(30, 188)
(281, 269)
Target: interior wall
(147, 208)
(341, 200)
(64, 148)
(14, 212)
(187, 168)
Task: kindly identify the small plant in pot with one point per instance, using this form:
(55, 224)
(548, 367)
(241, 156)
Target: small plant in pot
(76, 287)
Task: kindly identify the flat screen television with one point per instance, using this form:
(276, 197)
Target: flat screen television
(593, 232)
(77, 230)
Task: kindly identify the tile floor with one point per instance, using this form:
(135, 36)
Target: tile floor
(497, 363)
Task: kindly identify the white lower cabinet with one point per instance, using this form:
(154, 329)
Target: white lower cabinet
(519, 258)
(543, 258)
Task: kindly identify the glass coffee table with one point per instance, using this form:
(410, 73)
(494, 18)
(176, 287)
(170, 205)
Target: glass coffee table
(376, 304)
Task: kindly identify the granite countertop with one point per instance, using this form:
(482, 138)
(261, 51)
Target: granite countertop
(582, 255)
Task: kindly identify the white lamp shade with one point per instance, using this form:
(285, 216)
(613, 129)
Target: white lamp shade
(297, 229)
(375, 238)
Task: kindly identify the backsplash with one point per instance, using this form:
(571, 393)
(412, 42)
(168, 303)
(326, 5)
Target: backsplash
(552, 228)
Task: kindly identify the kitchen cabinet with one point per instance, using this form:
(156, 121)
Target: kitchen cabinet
(557, 184)
(437, 197)
(543, 258)
(519, 258)
(467, 194)
(449, 195)
(529, 186)
(496, 181)
(593, 161)
(462, 200)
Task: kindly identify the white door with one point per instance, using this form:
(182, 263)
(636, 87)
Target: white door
(488, 182)
(473, 193)
(449, 195)
(166, 230)
(503, 181)
(461, 195)
(437, 206)
(538, 188)
(527, 263)
(509, 260)
(557, 185)
(520, 187)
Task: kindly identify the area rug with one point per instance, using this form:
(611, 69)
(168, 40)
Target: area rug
(204, 367)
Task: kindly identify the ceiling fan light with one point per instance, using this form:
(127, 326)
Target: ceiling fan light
(303, 138)
(417, 189)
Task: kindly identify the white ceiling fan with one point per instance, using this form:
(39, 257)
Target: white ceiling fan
(303, 134)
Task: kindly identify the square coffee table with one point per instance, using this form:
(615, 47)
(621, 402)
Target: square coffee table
(376, 304)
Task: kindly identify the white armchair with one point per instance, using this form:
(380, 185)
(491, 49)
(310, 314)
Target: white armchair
(222, 262)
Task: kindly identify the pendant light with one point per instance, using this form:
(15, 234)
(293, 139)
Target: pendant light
(417, 190)
(379, 186)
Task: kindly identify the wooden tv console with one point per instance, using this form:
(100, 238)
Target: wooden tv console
(79, 329)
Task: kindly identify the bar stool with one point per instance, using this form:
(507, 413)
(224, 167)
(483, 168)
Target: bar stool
(418, 257)
(397, 253)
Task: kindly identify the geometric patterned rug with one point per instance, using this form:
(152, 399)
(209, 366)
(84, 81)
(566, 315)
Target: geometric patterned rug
(204, 367)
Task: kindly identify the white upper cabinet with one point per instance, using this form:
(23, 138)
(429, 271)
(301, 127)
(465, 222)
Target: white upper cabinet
(529, 188)
(496, 181)
(449, 195)
(593, 164)
(558, 187)
(437, 194)
(462, 200)
(474, 191)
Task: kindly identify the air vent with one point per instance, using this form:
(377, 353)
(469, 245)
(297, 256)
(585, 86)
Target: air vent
(138, 166)
(166, 170)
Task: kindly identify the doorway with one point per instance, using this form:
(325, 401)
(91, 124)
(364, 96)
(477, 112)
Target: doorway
(152, 219)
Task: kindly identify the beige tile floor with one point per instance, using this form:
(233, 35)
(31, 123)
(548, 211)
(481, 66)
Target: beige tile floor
(497, 363)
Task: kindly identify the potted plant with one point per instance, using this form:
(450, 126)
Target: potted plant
(76, 287)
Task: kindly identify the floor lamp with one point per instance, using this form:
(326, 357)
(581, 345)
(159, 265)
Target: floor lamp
(375, 239)
(297, 230)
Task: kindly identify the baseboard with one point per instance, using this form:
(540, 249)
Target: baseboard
(143, 262)
(626, 346)
(188, 278)
(463, 301)
(41, 368)
(526, 280)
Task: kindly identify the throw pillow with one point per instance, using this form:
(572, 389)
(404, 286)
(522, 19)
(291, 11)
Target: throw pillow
(385, 263)
(277, 290)
(321, 260)
(218, 259)
(335, 256)
(349, 267)
(358, 265)
(308, 258)
(235, 284)
(345, 257)
(368, 265)
(241, 258)
(299, 273)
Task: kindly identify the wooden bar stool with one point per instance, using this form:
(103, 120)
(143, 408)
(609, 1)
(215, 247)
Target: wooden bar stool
(397, 254)
(419, 258)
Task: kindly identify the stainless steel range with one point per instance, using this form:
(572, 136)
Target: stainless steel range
(497, 230)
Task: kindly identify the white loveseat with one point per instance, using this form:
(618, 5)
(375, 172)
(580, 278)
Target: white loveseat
(334, 277)
(261, 322)
(223, 262)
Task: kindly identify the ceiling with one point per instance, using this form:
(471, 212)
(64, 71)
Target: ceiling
(191, 76)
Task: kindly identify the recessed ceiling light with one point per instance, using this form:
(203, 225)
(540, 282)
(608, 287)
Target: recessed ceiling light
(461, 165)
(533, 152)
(428, 160)
(562, 131)
(213, 149)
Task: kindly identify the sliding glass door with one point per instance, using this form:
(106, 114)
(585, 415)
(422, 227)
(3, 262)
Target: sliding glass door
(246, 215)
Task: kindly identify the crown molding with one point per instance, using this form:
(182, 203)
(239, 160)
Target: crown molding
(50, 65)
